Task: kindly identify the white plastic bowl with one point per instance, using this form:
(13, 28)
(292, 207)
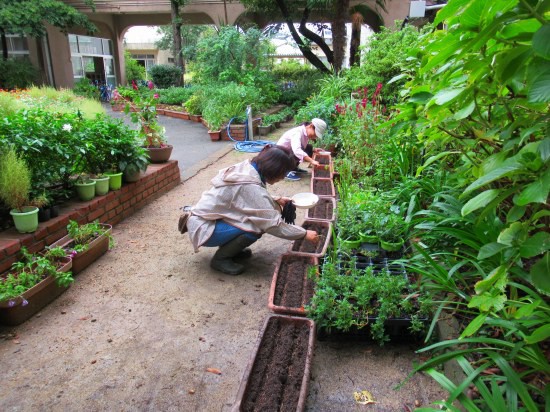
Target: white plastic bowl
(305, 200)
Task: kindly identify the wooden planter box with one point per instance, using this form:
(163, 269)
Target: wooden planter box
(40, 295)
(322, 172)
(291, 289)
(323, 187)
(325, 210)
(98, 247)
(306, 248)
(277, 377)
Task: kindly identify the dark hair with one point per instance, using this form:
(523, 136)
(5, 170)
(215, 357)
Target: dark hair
(274, 162)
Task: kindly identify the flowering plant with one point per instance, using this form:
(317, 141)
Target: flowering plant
(30, 270)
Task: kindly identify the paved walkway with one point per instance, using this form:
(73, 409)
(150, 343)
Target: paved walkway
(193, 148)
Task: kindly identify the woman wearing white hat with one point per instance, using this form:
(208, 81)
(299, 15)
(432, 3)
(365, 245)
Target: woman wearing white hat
(297, 139)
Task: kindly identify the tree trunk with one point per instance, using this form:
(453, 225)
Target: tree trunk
(341, 10)
(305, 49)
(354, 55)
(176, 29)
(4, 44)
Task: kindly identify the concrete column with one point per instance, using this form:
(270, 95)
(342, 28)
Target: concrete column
(118, 52)
(62, 68)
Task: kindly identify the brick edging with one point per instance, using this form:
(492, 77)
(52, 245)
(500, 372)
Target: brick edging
(111, 208)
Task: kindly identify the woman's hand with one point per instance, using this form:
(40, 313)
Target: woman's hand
(312, 236)
(315, 163)
(282, 201)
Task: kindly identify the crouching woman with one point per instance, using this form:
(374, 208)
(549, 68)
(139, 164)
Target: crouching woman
(238, 210)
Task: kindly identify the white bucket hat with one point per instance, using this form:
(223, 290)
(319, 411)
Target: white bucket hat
(320, 127)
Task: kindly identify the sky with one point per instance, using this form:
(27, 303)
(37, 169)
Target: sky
(142, 34)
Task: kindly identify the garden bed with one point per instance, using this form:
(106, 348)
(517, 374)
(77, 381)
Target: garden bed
(324, 210)
(278, 376)
(323, 187)
(305, 247)
(291, 288)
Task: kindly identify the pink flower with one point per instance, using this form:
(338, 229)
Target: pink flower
(150, 85)
(364, 103)
(134, 85)
(156, 96)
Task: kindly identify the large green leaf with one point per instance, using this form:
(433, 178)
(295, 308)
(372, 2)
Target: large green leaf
(515, 213)
(541, 45)
(535, 245)
(511, 168)
(536, 192)
(544, 149)
(539, 273)
(509, 61)
(540, 89)
(513, 235)
(480, 200)
(446, 95)
(495, 276)
(474, 325)
(465, 111)
(490, 249)
(539, 334)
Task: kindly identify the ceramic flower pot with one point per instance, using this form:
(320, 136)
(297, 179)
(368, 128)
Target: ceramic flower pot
(391, 246)
(160, 154)
(26, 219)
(85, 190)
(17, 310)
(101, 185)
(115, 180)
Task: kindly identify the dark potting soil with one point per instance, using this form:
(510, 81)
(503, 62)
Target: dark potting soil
(302, 245)
(324, 160)
(293, 289)
(276, 378)
(322, 172)
(322, 187)
(323, 210)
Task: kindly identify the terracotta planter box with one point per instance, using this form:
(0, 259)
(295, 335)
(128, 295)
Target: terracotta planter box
(40, 295)
(323, 187)
(323, 159)
(215, 135)
(118, 107)
(195, 117)
(322, 172)
(176, 114)
(291, 289)
(306, 248)
(265, 130)
(98, 247)
(324, 210)
(277, 378)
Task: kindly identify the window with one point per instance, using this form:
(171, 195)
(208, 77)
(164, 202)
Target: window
(146, 60)
(17, 46)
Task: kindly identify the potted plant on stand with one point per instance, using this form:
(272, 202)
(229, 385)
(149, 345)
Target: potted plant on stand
(150, 130)
(15, 186)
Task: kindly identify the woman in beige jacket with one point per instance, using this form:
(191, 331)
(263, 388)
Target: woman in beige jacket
(238, 209)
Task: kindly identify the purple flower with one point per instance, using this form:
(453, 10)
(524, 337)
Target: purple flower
(25, 302)
(11, 303)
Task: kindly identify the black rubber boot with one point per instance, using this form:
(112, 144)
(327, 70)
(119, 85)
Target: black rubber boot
(223, 259)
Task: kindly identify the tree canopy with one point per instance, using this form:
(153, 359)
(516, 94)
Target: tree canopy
(29, 18)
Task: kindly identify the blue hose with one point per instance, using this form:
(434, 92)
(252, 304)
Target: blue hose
(247, 146)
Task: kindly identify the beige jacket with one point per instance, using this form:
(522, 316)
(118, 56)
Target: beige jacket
(239, 197)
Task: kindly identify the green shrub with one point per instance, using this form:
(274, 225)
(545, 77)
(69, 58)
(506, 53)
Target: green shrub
(17, 74)
(165, 75)
(175, 95)
(134, 71)
(85, 89)
(15, 180)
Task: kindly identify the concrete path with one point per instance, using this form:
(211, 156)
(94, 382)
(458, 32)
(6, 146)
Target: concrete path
(193, 148)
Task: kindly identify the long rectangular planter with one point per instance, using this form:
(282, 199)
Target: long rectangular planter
(15, 311)
(323, 187)
(323, 159)
(98, 247)
(306, 248)
(325, 210)
(277, 377)
(291, 288)
(322, 171)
